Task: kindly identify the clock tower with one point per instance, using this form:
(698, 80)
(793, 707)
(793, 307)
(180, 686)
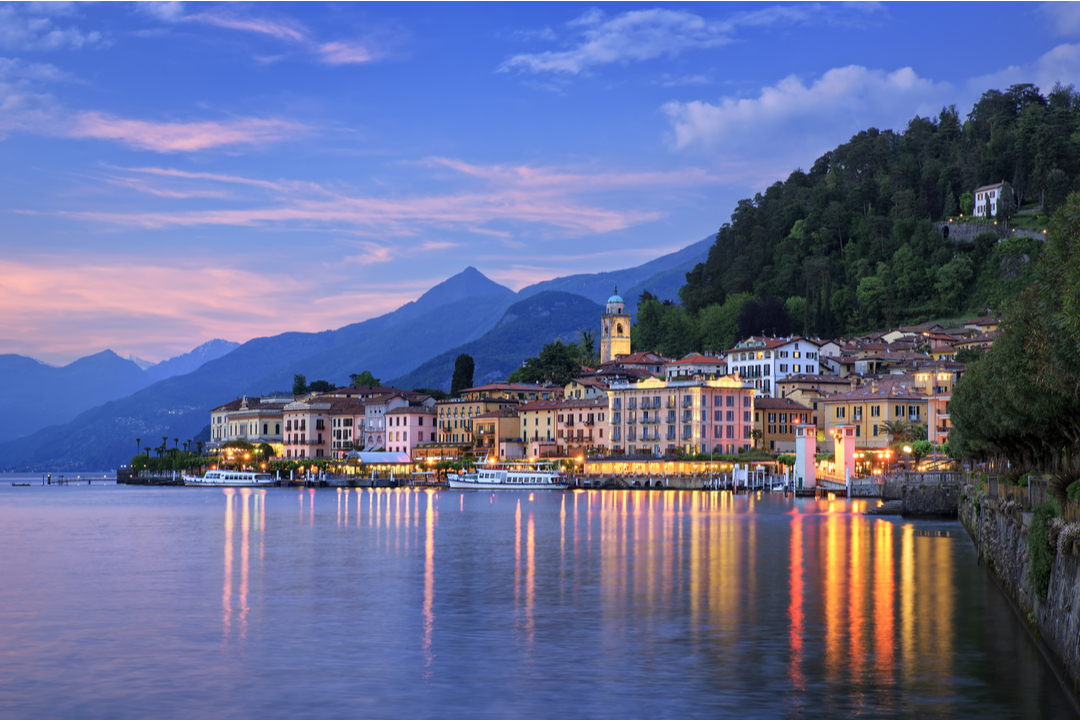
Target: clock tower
(614, 329)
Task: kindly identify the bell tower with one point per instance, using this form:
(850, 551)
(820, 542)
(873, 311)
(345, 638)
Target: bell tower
(614, 329)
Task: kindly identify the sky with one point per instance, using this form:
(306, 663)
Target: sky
(176, 172)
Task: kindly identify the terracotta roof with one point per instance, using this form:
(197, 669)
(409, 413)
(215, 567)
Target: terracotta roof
(412, 410)
(698, 359)
(537, 405)
(804, 378)
(770, 403)
(494, 414)
(888, 389)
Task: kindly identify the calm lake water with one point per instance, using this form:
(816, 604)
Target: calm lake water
(123, 602)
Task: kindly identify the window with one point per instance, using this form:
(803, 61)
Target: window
(875, 411)
(731, 401)
(746, 419)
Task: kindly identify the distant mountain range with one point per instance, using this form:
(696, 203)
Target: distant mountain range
(47, 395)
(415, 345)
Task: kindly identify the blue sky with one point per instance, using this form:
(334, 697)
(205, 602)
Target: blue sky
(171, 173)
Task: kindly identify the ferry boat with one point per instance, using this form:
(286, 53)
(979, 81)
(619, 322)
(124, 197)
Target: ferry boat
(230, 478)
(508, 477)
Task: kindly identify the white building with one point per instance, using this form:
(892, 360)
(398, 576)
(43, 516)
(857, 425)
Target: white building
(985, 194)
(765, 361)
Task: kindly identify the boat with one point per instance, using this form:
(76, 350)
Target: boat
(490, 476)
(230, 478)
(20, 484)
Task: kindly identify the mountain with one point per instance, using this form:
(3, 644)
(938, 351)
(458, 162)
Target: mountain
(656, 276)
(143, 364)
(468, 310)
(183, 364)
(177, 406)
(522, 332)
(39, 395)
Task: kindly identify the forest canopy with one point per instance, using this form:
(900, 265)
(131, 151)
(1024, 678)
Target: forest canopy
(853, 245)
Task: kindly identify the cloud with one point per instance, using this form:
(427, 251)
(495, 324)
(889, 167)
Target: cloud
(1061, 64)
(335, 52)
(1064, 17)
(798, 121)
(181, 137)
(28, 27)
(480, 199)
(15, 68)
(636, 35)
(61, 307)
(641, 35)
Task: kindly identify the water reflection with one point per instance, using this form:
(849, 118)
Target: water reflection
(250, 505)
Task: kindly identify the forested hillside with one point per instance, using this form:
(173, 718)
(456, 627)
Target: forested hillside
(852, 245)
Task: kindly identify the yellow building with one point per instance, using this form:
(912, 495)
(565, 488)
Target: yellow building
(776, 419)
(614, 329)
(869, 407)
(456, 416)
(497, 434)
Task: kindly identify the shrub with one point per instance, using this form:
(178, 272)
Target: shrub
(1073, 490)
(1040, 550)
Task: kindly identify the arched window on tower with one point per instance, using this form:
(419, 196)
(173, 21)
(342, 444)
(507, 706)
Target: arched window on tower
(618, 328)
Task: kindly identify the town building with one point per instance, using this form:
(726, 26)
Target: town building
(253, 420)
(766, 361)
(497, 435)
(776, 419)
(538, 425)
(579, 426)
(869, 407)
(410, 425)
(695, 364)
(657, 416)
(988, 196)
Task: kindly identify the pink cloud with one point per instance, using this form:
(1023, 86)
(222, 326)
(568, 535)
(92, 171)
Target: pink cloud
(545, 196)
(60, 308)
(181, 137)
(338, 53)
(282, 31)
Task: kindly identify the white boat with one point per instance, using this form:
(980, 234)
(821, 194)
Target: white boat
(508, 477)
(230, 478)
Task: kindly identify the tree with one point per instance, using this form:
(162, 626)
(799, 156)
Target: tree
(588, 344)
(463, 374)
(897, 430)
(364, 379)
(432, 392)
(1006, 204)
(967, 204)
(299, 384)
(321, 386)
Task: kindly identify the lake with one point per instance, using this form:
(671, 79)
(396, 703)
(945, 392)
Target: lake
(120, 602)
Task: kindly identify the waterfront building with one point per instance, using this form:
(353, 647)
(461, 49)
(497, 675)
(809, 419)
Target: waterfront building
(614, 329)
(408, 426)
(538, 424)
(777, 420)
(456, 415)
(809, 390)
(696, 414)
(378, 405)
(254, 420)
(347, 417)
(497, 434)
(579, 426)
(868, 407)
(766, 361)
(306, 427)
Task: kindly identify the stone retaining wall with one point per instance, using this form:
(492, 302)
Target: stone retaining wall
(999, 529)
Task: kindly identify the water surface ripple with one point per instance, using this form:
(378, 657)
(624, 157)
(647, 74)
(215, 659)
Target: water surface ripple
(120, 602)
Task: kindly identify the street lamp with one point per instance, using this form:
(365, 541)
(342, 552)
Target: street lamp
(907, 460)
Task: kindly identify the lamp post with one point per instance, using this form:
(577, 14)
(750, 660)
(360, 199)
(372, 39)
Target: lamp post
(907, 458)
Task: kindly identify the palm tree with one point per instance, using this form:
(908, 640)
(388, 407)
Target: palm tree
(176, 443)
(756, 434)
(138, 446)
(898, 430)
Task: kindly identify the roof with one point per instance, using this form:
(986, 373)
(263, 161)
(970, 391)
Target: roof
(379, 458)
(768, 343)
(510, 412)
(990, 187)
(819, 379)
(641, 358)
(771, 403)
(888, 389)
(412, 410)
(698, 359)
(523, 387)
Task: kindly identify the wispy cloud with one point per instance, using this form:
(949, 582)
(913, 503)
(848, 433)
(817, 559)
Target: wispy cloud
(58, 307)
(287, 30)
(1064, 17)
(640, 35)
(482, 199)
(30, 26)
(171, 137)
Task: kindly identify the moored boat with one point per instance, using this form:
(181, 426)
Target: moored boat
(230, 478)
(508, 477)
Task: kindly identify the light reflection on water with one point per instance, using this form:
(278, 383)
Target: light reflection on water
(369, 602)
